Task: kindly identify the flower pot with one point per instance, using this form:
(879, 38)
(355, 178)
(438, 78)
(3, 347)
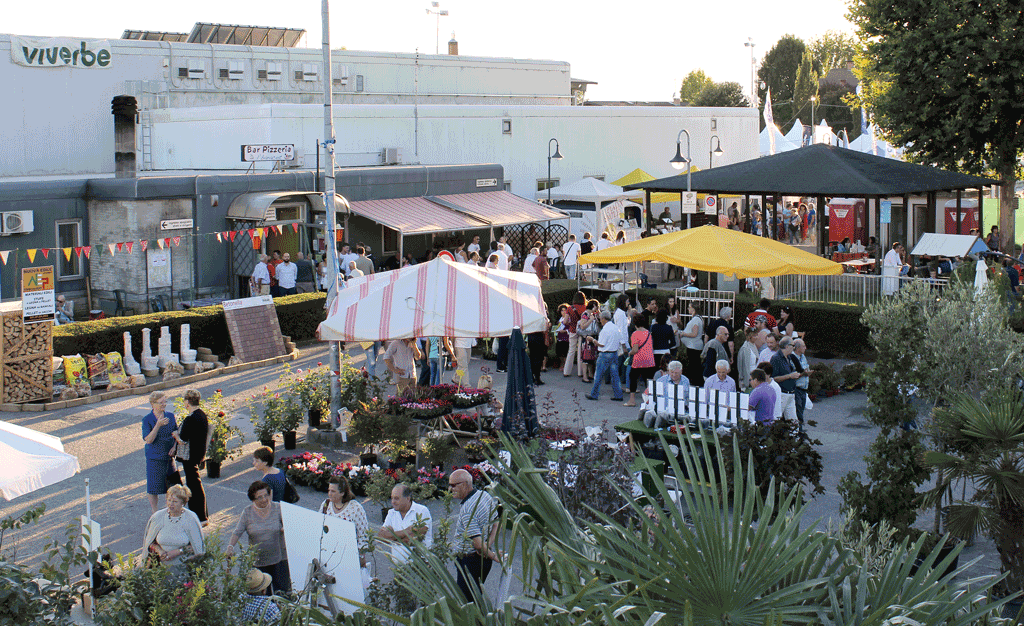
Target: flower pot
(268, 443)
(314, 418)
(289, 439)
(368, 458)
(212, 469)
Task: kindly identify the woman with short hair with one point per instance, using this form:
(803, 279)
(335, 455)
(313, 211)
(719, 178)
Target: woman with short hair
(263, 462)
(262, 524)
(158, 433)
(173, 533)
(193, 435)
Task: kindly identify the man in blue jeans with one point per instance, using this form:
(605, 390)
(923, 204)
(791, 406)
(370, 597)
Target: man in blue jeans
(607, 343)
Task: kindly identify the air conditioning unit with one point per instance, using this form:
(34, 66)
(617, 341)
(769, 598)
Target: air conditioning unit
(196, 68)
(342, 78)
(298, 161)
(390, 156)
(236, 70)
(273, 71)
(310, 72)
(14, 222)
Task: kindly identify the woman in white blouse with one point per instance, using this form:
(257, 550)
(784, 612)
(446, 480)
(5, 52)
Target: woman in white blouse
(173, 533)
(341, 502)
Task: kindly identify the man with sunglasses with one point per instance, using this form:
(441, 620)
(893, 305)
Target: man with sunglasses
(475, 529)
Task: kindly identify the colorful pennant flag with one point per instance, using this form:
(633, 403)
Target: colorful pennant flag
(232, 235)
(87, 250)
(31, 252)
(4, 254)
(143, 243)
(160, 243)
(295, 227)
(78, 251)
(177, 240)
(110, 247)
(167, 242)
(67, 253)
(46, 252)
(128, 244)
(219, 240)
(120, 245)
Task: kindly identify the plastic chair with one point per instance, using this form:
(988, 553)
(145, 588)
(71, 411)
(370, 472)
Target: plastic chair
(120, 297)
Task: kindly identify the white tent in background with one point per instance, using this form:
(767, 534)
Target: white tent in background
(781, 143)
(863, 144)
(795, 135)
(823, 133)
(32, 460)
(436, 298)
(586, 190)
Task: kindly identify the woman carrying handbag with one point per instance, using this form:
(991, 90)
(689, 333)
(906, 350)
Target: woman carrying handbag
(642, 353)
(192, 438)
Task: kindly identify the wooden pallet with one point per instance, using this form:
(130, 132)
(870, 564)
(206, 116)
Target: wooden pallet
(26, 364)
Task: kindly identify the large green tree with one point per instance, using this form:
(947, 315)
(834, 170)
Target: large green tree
(944, 79)
(805, 86)
(693, 85)
(832, 50)
(778, 73)
(722, 95)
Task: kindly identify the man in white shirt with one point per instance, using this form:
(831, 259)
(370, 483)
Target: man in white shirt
(473, 247)
(496, 248)
(286, 274)
(570, 257)
(771, 346)
(528, 261)
(553, 257)
(346, 257)
(260, 280)
(406, 521)
(669, 401)
(604, 242)
(607, 343)
(893, 259)
(354, 271)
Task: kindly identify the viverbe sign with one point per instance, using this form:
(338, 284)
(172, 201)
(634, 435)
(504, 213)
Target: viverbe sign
(61, 52)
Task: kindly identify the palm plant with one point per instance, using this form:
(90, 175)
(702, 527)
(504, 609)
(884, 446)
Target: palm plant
(658, 567)
(984, 446)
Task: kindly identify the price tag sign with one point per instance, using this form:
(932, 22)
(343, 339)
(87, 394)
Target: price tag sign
(689, 202)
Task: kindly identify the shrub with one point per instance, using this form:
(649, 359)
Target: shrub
(780, 451)
(298, 315)
(835, 328)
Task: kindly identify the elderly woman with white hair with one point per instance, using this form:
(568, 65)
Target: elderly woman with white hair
(668, 402)
(173, 533)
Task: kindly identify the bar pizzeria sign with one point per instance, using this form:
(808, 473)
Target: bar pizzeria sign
(268, 152)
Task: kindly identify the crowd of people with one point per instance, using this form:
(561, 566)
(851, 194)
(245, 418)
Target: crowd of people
(174, 534)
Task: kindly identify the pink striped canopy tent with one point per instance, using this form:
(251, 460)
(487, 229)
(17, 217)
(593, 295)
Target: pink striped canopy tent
(433, 299)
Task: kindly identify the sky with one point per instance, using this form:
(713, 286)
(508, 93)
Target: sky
(638, 50)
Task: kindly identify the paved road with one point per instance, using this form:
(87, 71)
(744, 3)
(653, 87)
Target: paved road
(106, 438)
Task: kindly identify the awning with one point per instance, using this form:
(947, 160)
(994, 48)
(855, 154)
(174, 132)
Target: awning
(415, 215)
(499, 208)
(936, 244)
(256, 206)
(32, 460)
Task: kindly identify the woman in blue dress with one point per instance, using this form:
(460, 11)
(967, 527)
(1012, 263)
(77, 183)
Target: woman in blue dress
(157, 433)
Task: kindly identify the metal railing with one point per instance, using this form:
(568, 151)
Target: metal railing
(856, 289)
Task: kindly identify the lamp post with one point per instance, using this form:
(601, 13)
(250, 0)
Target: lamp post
(437, 36)
(814, 99)
(556, 156)
(753, 94)
(717, 151)
(679, 162)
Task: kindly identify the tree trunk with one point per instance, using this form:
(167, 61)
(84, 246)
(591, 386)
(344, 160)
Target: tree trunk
(1008, 208)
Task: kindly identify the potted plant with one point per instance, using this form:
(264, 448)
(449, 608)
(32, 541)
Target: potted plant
(218, 451)
(853, 375)
(378, 489)
(314, 391)
(476, 449)
(372, 424)
(289, 418)
(400, 450)
(984, 448)
(265, 422)
(438, 449)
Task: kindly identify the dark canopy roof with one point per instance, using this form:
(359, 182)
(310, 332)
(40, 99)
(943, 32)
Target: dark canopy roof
(820, 170)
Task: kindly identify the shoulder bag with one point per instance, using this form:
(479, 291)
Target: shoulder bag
(290, 495)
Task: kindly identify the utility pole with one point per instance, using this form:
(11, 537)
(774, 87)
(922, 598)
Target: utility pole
(329, 193)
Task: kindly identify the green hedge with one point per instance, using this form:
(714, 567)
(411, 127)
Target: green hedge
(834, 328)
(299, 316)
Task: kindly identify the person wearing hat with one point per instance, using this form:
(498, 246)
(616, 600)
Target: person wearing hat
(259, 608)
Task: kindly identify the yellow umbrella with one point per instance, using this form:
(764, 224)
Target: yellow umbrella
(713, 249)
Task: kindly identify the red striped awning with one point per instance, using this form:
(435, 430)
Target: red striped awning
(501, 208)
(415, 215)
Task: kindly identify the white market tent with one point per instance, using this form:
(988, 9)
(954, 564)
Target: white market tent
(586, 190)
(796, 134)
(863, 144)
(938, 244)
(31, 461)
(436, 298)
(781, 143)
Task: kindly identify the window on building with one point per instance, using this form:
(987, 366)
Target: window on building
(507, 185)
(546, 183)
(69, 235)
(390, 241)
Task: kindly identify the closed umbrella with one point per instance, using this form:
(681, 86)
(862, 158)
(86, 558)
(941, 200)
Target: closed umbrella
(31, 461)
(519, 415)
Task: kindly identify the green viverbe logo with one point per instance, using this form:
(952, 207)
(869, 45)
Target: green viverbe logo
(61, 52)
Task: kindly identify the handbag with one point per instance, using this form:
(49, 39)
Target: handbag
(589, 351)
(183, 451)
(173, 477)
(290, 495)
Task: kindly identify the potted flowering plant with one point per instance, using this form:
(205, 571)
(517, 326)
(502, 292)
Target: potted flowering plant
(427, 408)
(289, 417)
(313, 389)
(439, 449)
(219, 450)
(467, 398)
(476, 449)
(265, 423)
(400, 450)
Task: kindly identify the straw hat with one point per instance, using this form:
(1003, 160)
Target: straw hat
(257, 581)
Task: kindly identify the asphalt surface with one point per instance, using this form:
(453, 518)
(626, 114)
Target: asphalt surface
(106, 437)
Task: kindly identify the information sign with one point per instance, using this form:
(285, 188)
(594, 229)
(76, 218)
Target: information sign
(689, 202)
(37, 300)
(268, 152)
(710, 205)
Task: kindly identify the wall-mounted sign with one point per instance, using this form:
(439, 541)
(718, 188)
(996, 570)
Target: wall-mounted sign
(689, 199)
(487, 182)
(175, 224)
(710, 205)
(61, 52)
(37, 301)
(268, 152)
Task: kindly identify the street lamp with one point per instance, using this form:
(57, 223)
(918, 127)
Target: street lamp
(556, 156)
(437, 36)
(814, 99)
(753, 94)
(716, 152)
(679, 162)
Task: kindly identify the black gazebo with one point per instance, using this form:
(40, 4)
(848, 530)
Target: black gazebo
(821, 171)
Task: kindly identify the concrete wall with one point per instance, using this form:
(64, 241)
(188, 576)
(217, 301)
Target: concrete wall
(57, 120)
(604, 141)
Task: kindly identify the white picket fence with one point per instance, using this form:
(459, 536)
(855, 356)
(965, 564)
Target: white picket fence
(859, 289)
